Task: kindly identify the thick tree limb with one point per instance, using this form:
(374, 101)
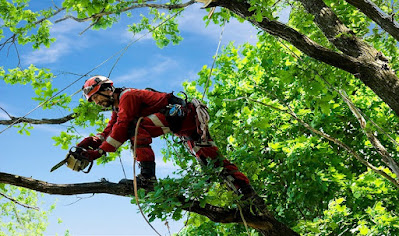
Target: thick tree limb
(358, 58)
(373, 69)
(336, 32)
(261, 221)
(299, 40)
(37, 121)
(373, 12)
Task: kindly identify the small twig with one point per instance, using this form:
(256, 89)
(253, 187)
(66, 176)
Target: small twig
(9, 40)
(276, 3)
(123, 168)
(167, 226)
(6, 113)
(92, 24)
(79, 199)
(19, 58)
(185, 223)
(19, 203)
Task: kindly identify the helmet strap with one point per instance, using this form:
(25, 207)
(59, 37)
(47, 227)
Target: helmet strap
(107, 96)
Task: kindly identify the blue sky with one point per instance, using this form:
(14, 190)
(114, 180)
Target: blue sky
(143, 65)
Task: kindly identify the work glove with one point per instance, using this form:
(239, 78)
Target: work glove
(92, 155)
(93, 141)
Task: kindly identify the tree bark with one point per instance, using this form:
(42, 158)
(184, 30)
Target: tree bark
(373, 12)
(261, 220)
(56, 121)
(357, 57)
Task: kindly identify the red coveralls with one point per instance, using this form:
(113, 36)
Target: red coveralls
(135, 103)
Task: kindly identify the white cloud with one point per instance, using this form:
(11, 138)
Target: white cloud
(67, 39)
(7, 109)
(52, 129)
(159, 65)
(3, 116)
(134, 74)
(48, 55)
(127, 36)
(192, 21)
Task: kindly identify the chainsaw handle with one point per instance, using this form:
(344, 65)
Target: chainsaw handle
(77, 153)
(89, 169)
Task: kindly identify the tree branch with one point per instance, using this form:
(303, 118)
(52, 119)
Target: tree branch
(336, 32)
(143, 5)
(326, 136)
(373, 12)
(13, 37)
(261, 220)
(19, 203)
(369, 65)
(37, 121)
(386, 156)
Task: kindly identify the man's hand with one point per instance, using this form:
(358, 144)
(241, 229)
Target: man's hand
(93, 154)
(94, 142)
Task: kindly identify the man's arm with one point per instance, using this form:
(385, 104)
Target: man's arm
(129, 106)
(108, 129)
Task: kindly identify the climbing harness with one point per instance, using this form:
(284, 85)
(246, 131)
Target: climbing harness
(75, 161)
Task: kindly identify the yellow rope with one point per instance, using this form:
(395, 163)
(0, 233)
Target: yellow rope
(134, 174)
(243, 219)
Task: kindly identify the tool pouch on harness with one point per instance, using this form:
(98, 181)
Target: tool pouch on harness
(175, 112)
(202, 120)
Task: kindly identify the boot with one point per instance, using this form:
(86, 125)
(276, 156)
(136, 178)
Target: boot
(146, 178)
(244, 189)
(247, 192)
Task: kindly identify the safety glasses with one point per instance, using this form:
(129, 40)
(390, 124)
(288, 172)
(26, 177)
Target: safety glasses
(88, 89)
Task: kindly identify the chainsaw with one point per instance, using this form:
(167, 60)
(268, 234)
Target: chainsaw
(75, 161)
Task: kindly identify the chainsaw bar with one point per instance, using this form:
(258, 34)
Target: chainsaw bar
(59, 164)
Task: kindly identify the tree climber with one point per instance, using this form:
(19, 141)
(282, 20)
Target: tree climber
(162, 113)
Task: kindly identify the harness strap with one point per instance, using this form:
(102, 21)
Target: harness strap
(203, 119)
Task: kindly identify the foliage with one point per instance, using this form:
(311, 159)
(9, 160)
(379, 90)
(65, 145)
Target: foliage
(309, 183)
(17, 220)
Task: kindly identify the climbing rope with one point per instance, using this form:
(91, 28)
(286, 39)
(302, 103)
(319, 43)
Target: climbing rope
(134, 174)
(214, 60)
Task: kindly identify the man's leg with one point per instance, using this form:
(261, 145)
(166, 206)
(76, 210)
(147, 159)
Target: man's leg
(232, 175)
(151, 126)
